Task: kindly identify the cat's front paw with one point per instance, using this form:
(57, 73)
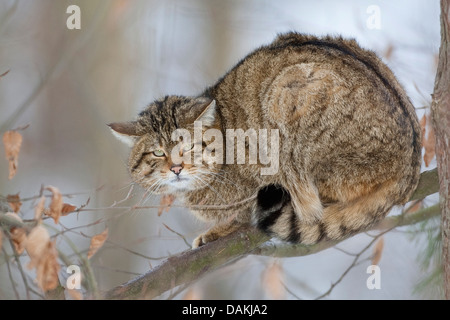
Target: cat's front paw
(218, 231)
(203, 239)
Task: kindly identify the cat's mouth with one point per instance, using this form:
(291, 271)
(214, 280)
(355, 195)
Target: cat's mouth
(179, 183)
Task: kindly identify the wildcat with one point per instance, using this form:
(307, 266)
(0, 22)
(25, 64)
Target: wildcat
(349, 142)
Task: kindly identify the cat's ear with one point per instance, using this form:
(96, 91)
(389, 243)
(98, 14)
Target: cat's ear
(126, 132)
(208, 113)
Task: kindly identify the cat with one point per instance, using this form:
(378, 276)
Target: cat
(349, 142)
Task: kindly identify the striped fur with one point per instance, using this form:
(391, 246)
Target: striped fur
(350, 142)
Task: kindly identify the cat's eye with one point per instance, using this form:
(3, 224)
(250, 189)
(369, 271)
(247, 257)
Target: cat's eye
(188, 147)
(159, 153)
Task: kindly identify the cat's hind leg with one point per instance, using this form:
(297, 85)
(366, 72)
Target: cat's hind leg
(340, 219)
(305, 200)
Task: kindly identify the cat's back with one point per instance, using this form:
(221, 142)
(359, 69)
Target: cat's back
(339, 108)
(305, 71)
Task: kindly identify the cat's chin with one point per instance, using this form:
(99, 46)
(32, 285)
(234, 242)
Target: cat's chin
(178, 185)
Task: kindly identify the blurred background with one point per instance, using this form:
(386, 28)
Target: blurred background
(67, 84)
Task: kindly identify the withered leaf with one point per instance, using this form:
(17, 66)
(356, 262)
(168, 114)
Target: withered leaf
(1, 238)
(4, 73)
(67, 208)
(47, 270)
(415, 207)
(18, 238)
(56, 205)
(377, 251)
(423, 126)
(272, 281)
(192, 294)
(97, 242)
(165, 204)
(18, 235)
(429, 145)
(12, 140)
(39, 209)
(388, 52)
(36, 244)
(14, 202)
(75, 294)
(44, 257)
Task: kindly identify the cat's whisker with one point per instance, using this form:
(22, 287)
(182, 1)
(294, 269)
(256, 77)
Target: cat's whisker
(210, 176)
(158, 186)
(210, 187)
(127, 185)
(220, 176)
(154, 188)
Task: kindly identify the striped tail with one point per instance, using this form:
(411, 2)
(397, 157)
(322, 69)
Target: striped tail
(275, 215)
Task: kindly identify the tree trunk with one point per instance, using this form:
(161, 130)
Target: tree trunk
(440, 112)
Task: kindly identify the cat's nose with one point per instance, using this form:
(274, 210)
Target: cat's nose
(176, 168)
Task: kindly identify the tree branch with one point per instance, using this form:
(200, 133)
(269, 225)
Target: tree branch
(191, 265)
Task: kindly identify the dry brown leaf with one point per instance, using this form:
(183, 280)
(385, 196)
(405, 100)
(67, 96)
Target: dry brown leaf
(272, 281)
(39, 209)
(56, 205)
(415, 207)
(47, 270)
(423, 126)
(429, 145)
(18, 236)
(192, 294)
(377, 251)
(36, 244)
(97, 242)
(44, 257)
(12, 140)
(388, 52)
(1, 238)
(67, 208)
(14, 202)
(165, 204)
(75, 294)
(4, 73)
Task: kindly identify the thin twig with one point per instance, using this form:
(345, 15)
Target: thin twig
(13, 283)
(352, 265)
(128, 196)
(290, 291)
(22, 273)
(178, 234)
(344, 251)
(178, 291)
(124, 248)
(66, 229)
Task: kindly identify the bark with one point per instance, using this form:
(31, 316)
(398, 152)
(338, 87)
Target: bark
(440, 113)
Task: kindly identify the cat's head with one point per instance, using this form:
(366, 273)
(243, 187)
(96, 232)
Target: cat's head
(156, 161)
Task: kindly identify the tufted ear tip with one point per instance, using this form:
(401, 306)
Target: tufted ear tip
(125, 131)
(208, 115)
